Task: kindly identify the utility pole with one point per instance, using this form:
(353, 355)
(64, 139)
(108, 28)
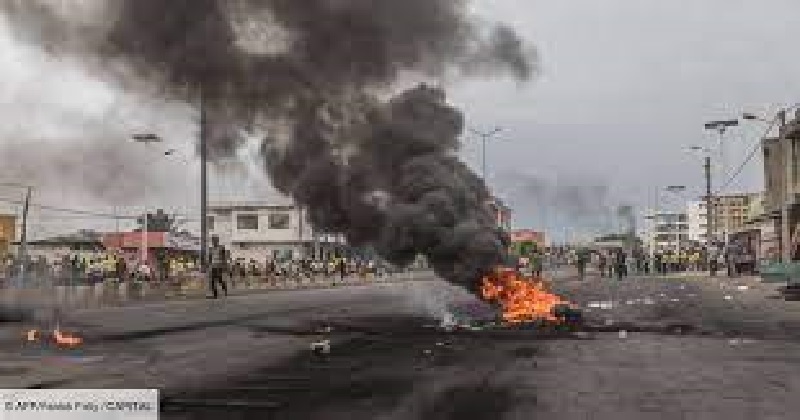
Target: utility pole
(709, 210)
(722, 127)
(23, 242)
(788, 151)
(485, 137)
(203, 185)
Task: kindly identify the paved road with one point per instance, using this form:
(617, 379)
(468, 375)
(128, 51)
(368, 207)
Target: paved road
(247, 357)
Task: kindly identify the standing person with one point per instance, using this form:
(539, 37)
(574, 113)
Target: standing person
(120, 269)
(581, 260)
(218, 262)
(537, 263)
(621, 264)
(342, 269)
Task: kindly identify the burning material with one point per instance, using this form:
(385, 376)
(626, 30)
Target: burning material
(63, 339)
(522, 299)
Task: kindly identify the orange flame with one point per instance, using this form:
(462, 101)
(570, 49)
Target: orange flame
(522, 299)
(65, 339)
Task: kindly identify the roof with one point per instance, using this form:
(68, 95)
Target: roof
(250, 205)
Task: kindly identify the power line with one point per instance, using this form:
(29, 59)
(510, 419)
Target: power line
(749, 157)
(183, 217)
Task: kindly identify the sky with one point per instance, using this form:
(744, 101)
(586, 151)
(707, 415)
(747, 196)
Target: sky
(623, 87)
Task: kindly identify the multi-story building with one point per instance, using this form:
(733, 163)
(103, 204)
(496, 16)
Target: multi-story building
(781, 160)
(730, 212)
(697, 220)
(276, 229)
(667, 231)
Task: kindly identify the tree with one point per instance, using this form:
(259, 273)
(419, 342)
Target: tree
(159, 221)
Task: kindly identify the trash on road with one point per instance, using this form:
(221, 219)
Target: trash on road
(601, 305)
(321, 347)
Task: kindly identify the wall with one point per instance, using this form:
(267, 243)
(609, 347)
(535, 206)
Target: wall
(8, 232)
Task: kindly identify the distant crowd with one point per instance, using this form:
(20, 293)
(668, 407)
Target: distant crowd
(96, 267)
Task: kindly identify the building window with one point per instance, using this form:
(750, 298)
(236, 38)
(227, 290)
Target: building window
(247, 222)
(210, 222)
(280, 221)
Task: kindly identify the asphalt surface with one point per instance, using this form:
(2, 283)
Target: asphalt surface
(677, 348)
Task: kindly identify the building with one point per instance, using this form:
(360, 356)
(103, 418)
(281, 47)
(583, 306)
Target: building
(131, 245)
(781, 159)
(83, 242)
(525, 240)
(667, 231)
(759, 235)
(730, 212)
(697, 219)
(260, 230)
(8, 233)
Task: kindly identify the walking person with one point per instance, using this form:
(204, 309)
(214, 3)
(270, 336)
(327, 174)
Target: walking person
(342, 269)
(218, 262)
(602, 263)
(536, 264)
(621, 264)
(581, 260)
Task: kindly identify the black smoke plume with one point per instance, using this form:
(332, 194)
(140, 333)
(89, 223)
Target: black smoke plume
(315, 75)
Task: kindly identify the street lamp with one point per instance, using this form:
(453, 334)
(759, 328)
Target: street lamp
(485, 136)
(146, 139)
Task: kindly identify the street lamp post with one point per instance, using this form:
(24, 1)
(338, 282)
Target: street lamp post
(485, 136)
(147, 140)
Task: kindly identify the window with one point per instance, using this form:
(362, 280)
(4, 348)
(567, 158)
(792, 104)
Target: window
(210, 222)
(247, 222)
(280, 221)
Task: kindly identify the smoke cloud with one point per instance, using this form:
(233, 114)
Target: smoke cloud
(318, 77)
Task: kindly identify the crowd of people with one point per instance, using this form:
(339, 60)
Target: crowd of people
(95, 267)
(620, 263)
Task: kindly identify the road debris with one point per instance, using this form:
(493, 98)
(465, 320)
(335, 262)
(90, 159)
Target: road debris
(321, 347)
(606, 304)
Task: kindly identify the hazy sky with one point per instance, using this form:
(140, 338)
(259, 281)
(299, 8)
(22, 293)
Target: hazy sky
(624, 86)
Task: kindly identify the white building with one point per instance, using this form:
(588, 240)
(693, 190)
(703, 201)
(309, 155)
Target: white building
(664, 230)
(698, 221)
(260, 230)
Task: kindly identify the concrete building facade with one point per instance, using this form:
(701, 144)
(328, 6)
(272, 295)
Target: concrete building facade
(666, 230)
(261, 230)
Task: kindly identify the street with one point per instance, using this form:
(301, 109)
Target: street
(688, 347)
